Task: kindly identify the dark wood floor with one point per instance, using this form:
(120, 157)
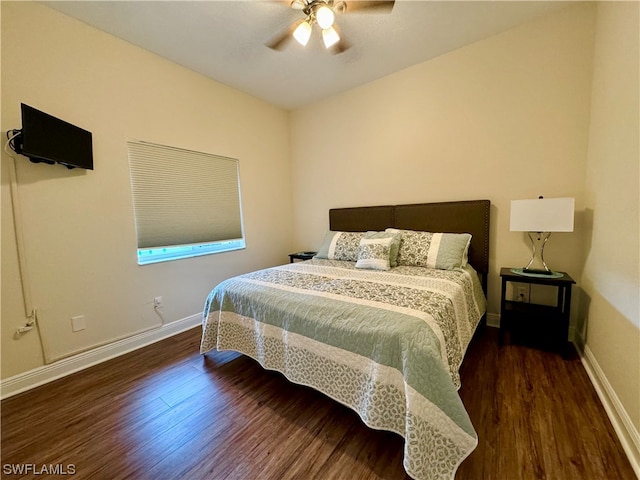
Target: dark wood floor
(166, 412)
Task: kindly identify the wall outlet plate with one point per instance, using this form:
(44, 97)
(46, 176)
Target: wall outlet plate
(522, 294)
(78, 323)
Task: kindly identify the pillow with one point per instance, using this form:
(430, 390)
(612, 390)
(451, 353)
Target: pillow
(374, 253)
(396, 237)
(340, 246)
(444, 251)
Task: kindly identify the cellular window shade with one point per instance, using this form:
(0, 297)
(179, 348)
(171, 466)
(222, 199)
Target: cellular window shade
(183, 197)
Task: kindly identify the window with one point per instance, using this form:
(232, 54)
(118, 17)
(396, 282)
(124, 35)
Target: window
(185, 203)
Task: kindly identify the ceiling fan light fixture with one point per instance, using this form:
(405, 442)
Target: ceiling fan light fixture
(302, 33)
(330, 37)
(298, 4)
(325, 17)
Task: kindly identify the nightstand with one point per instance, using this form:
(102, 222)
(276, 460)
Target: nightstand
(301, 256)
(540, 326)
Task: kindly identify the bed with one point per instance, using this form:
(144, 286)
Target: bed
(374, 321)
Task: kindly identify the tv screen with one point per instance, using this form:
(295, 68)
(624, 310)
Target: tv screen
(48, 139)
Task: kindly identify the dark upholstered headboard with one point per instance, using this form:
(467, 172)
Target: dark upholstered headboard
(471, 216)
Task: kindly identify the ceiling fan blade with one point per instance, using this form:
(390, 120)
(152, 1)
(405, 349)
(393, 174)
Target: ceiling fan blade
(361, 6)
(279, 41)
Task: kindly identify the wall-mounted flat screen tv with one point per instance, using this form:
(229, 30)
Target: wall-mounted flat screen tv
(48, 139)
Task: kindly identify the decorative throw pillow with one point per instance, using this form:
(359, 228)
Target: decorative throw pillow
(396, 237)
(340, 246)
(374, 253)
(444, 251)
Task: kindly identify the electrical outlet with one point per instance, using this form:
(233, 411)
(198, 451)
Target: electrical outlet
(157, 302)
(77, 323)
(522, 294)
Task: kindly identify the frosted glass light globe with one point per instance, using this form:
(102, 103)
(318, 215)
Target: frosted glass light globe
(302, 33)
(325, 17)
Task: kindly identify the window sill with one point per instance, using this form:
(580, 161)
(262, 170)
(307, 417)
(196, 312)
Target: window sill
(147, 256)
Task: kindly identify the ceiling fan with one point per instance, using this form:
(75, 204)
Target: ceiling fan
(323, 13)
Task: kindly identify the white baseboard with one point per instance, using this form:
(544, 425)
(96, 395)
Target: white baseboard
(493, 320)
(624, 428)
(61, 368)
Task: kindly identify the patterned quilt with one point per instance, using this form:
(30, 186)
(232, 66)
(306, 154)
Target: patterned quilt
(387, 344)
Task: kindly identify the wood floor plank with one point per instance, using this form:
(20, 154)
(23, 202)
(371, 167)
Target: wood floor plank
(547, 419)
(167, 412)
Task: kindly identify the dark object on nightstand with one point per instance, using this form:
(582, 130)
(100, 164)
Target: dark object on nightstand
(301, 256)
(541, 326)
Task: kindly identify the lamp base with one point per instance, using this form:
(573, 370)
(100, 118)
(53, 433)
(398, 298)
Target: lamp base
(537, 271)
(527, 272)
(537, 266)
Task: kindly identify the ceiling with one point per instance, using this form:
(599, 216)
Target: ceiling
(224, 40)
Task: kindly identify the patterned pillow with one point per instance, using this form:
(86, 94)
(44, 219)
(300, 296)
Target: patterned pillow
(374, 253)
(340, 246)
(444, 251)
(396, 237)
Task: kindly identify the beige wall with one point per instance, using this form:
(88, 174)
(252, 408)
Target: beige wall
(504, 118)
(611, 278)
(78, 225)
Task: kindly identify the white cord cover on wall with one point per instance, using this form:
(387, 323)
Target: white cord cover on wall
(30, 311)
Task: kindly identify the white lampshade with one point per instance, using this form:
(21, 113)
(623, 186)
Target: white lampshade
(302, 33)
(325, 17)
(542, 215)
(330, 37)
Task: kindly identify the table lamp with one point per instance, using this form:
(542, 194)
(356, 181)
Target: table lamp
(539, 218)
